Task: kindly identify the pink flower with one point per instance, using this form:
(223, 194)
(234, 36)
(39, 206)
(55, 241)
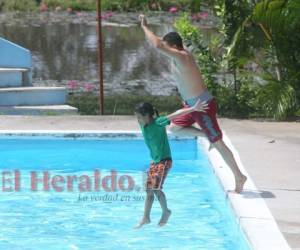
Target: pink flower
(195, 17)
(103, 17)
(73, 84)
(173, 10)
(203, 15)
(78, 13)
(88, 87)
(43, 7)
(107, 15)
(199, 16)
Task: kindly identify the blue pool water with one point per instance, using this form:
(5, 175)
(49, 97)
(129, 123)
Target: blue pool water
(98, 219)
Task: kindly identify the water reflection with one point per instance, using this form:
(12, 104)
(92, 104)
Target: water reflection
(65, 51)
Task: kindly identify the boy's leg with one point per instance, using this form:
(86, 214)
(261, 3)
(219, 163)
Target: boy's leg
(160, 195)
(210, 129)
(226, 153)
(186, 131)
(148, 205)
(183, 125)
(228, 156)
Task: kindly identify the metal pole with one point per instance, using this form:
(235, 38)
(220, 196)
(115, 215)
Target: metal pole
(100, 58)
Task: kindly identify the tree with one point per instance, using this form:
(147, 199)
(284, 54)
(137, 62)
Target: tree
(274, 27)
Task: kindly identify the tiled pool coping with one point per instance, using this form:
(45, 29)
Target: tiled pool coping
(252, 213)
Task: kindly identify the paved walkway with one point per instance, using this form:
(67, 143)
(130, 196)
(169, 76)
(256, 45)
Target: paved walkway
(271, 154)
(269, 151)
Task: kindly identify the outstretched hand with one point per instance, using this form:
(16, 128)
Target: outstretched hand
(143, 20)
(200, 106)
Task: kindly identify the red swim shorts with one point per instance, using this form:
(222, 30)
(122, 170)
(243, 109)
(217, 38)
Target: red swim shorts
(206, 120)
(158, 173)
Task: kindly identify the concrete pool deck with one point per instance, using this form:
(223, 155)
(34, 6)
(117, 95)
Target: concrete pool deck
(269, 151)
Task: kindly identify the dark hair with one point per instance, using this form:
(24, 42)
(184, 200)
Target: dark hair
(145, 108)
(173, 38)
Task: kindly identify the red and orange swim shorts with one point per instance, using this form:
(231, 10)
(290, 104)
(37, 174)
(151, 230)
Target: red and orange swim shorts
(158, 173)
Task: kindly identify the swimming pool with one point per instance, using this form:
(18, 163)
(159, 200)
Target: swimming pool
(79, 214)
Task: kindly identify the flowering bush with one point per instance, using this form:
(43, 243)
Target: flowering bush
(173, 10)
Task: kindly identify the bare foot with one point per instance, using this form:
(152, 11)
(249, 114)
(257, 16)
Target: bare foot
(142, 223)
(240, 184)
(164, 218)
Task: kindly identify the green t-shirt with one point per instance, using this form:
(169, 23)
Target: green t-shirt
(156, 139)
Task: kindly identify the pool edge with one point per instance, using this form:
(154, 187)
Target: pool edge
(252, 212)
(75, 134)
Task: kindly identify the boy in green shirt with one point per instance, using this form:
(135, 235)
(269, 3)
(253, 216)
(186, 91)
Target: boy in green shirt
(155, 136)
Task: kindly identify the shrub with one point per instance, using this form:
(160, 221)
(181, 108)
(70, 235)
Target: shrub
(18, 5)
(90, 5)
(88, 103)
(239, 103)
(86, 5)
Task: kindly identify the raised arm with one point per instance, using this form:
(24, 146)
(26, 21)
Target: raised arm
(158, 43)
(199, 106)
(166, 120)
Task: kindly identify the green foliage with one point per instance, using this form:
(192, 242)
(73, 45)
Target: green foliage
(126, 5)
(235, 12)
(246, 105)
(195, 5)
(136, 5)
(273, 29)
(114, 5)
(229, 104)
(277, 100)
(18, 5)
(238, 105)
(88, 103)
(189, 32)
(207, 62)
(86, 5)
(297, 113)
(280, 21)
